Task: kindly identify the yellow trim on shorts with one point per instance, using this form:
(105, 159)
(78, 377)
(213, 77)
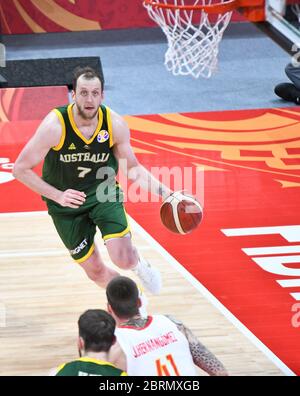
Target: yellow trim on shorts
(63, 133)
(117, 234)
(89, 253)
(109, 124)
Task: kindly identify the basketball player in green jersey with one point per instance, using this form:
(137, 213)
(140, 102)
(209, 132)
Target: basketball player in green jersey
(81, 145)
(96, 336)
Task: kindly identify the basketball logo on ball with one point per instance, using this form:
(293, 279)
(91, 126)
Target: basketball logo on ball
(181, 213)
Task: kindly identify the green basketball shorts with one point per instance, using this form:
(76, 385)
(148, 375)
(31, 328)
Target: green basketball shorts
(77, 227)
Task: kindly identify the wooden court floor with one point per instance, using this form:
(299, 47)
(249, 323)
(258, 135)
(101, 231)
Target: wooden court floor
(43, 292)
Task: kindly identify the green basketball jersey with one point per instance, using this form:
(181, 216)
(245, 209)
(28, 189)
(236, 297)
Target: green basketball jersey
(89, 367)
(76, 161)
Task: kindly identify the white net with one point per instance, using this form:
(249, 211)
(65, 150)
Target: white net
(193, 36)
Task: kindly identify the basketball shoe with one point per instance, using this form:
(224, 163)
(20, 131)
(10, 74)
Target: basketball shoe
(289, 92)
(149, 276)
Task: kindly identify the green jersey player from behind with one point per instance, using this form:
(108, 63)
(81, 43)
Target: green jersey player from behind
(96, 336)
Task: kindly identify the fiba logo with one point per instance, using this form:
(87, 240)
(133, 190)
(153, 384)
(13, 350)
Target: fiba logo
(6, 170)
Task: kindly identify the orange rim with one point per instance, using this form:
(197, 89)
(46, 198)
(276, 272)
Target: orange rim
(218, 8)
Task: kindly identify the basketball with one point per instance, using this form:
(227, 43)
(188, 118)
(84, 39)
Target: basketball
(181, 213)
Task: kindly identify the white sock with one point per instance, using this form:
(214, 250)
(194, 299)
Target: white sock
(149, 276)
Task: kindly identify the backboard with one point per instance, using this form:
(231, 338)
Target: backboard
(284, 15)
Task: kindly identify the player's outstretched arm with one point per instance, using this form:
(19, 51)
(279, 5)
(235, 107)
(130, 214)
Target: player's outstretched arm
(47, 136)
(128, 161)
(202, 357)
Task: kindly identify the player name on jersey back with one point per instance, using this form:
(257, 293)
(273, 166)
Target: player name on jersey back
(153, 344)
(158, 348)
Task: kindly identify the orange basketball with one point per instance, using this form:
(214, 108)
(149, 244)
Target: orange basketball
(181, 213)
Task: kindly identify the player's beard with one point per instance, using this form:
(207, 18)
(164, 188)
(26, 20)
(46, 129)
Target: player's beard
(83, 114)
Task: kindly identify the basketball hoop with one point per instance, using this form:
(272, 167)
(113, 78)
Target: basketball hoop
(193, 31)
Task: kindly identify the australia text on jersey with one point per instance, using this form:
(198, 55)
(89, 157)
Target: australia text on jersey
(85, 157)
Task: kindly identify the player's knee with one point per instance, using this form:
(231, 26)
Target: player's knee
(95, 273)
(126, 259)
(93, 268)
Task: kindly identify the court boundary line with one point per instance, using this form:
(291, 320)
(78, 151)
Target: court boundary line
(198, 286)
(213, 300)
